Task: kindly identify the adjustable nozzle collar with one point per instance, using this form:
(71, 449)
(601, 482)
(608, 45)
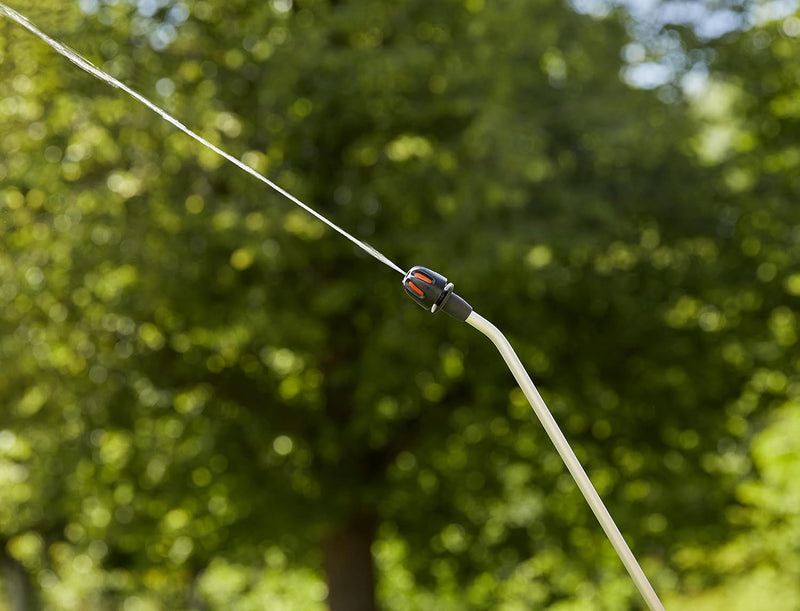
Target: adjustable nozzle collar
(432, 291)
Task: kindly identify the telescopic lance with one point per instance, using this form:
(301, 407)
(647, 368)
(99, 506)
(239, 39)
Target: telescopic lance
(433, 292)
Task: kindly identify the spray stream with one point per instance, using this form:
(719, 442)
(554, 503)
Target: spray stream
(85, 64)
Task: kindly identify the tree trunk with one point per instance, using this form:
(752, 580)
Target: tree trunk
(196, 600)
(347, 559)
(18, 584)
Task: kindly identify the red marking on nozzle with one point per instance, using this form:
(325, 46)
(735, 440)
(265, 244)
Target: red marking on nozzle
(423, 277)
(416, 289)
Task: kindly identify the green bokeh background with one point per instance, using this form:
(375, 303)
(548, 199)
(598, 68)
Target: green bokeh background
(200, 385)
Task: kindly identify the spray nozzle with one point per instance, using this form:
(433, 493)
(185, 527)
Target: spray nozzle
(433, 292)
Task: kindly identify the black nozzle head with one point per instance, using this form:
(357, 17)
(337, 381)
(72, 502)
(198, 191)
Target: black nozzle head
(426, 287)
(433, 292)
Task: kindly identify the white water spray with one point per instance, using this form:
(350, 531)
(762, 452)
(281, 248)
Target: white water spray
(85, 64)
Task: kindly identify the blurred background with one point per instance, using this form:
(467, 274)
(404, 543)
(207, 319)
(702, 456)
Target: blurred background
(210, 401)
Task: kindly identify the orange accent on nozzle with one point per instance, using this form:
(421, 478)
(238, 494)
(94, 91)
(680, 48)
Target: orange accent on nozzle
(416, 289)
(423, 277)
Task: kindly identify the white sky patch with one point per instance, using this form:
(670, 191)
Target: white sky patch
(695, 81)
(647, 75)
(773, 10)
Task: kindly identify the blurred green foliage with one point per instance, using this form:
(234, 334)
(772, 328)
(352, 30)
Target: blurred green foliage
(200, 384)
